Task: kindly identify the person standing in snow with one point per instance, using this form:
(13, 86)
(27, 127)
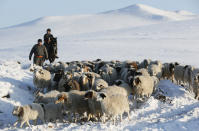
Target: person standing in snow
(48, 37)
(40, 53)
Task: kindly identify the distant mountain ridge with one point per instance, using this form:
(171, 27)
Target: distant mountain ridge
(147, 12)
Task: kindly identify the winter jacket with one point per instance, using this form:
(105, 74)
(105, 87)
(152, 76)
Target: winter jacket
(47, 36)
(39, 50)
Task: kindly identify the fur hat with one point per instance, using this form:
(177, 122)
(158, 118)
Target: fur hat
(48, 29)
(39, 40)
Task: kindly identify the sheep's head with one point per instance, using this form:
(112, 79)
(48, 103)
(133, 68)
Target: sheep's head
(85, 69)
(146, 63)
(68, 75)
(18, 111)
(136, 82)
(100, 87)
(70, 85)
(176, 64)
(61, 98)
(171, 67)
(89, 94)
(90, 78)
(131, 72)
(196, 78)
(38, 98)
(39, 72)
(134, 65)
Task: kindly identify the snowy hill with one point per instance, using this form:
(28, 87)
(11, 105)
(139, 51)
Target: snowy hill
(147, 12)
(131, 33)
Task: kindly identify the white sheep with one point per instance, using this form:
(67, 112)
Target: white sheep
(143, 72)
(125, 86)
(49, 97)
(109, 74)
(94, 105)
(189, 76)
(113, 105)
(53, 111)
(155, 70)
(179, 74)
(27, 113)
(42, 79)
(123, 90)
(143, 86)
(196, 87)
(74, 102)
(99, 84)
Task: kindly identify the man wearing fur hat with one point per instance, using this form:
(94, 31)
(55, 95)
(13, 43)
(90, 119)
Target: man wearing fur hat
(40, 53)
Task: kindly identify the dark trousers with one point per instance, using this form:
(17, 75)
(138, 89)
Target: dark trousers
(38, 61)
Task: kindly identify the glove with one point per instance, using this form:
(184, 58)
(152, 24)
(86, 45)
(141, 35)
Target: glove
(30, 58)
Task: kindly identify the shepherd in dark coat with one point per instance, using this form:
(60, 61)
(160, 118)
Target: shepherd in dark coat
(40, 53)
(48, 37)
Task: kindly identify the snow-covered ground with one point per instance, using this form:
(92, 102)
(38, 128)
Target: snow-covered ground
(132, 33)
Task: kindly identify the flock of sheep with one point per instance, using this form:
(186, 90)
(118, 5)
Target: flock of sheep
(98, 90)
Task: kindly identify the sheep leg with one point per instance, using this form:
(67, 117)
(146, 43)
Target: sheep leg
(114, 120)
(104, 118)
(172, 78)
(128, 115)
(35, 122)
(22, 123)
(120, 117)
(28, 124)
(75, 116)
(70, 117)
(61, 118)
(89, 116)
(15, 124)
(41, 118)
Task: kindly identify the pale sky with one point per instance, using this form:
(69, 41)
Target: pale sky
(14, 12)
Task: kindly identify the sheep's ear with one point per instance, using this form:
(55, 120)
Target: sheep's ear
(118, 82)
(89, 94)
(176, 63)
(138, 73)
(21, 111)
(171, 67)
(137, 81)
(103, 95)
(186, 66)
(31, 70)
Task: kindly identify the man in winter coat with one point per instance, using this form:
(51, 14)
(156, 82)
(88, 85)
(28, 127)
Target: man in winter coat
(47, 41)
(40, 53)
